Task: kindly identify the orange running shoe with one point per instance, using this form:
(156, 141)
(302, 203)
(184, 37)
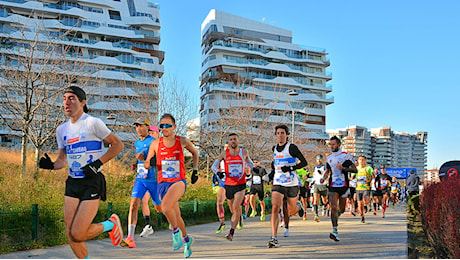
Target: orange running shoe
(117, 232)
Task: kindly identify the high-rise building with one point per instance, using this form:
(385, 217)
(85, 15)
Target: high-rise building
(118, 39)
(384, 147)
(254, 65)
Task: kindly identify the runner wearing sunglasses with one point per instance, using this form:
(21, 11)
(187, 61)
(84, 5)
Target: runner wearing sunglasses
(171, 177)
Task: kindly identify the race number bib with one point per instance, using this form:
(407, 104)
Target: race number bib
(76, 161)
(384, 183)
(235, 170)
(362, 179)
(338, 181)
(284, 178)
(141, 171)
(256, 180)
(170, 169)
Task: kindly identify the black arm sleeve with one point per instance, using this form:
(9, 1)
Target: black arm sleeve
(295, 152)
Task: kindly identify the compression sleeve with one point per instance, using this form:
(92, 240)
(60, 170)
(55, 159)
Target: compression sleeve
(295, 152)
(249, 162)
(214, 166)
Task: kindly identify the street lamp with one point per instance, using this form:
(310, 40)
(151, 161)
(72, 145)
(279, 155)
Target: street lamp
(112, 117)
(292, 93)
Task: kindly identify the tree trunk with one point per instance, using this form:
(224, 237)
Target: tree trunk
(24, 155)
(37, 160)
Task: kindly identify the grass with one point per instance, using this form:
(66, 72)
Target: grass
(418, 247)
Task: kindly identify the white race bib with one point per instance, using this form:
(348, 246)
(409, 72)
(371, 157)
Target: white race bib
(141, 171)
(76, 161)
(235, 170)
(256, 180)
(362, 179)
(284, 178)
(337, 181)
(170, 169)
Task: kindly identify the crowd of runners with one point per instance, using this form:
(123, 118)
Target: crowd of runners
(338, 181)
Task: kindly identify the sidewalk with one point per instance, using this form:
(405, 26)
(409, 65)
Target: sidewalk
(377, 238)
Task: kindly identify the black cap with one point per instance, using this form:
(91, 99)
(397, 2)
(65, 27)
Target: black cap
(80, 93)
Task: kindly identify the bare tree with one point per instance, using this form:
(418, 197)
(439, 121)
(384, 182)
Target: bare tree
(36, 66)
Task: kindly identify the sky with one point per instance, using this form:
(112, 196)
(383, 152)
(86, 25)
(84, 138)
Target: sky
(393, 63)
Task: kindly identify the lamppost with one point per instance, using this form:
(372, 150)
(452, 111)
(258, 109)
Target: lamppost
(292, 93)
(112, 117)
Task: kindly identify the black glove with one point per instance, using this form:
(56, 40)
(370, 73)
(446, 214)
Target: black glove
(221, 175)
(46, 163)
(286, 168)
(92, 169)
(194, 176)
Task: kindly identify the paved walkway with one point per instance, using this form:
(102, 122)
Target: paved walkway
(377, 238)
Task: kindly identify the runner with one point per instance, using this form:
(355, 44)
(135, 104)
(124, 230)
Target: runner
(319, 188)
(170, 162)
(236, 159)
(363, 186)
(218, 180)
(285, 179)
(352, 196)
(304, 190)
(383, 184)
(376, 193)
(257, 187)
(80, 143)
(395, 189)
(146, 182)
(148, 229)
(339, 164)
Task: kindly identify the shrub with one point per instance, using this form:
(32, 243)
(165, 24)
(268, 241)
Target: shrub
(414, 204)
(440, 212)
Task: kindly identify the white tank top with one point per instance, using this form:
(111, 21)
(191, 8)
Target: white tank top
(284, 158)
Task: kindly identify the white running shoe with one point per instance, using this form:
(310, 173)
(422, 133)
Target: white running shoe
(286, 232)
(147, 231)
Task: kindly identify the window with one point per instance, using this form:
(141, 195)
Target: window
(114, 15)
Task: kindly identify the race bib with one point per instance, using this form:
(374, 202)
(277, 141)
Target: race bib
(384, 183)
(284, 178)
(76, 161)
(141, 171)
(256, 180)
(235, 170)
(393, 188)
(338, 181)
(170, 169)
(362, 179)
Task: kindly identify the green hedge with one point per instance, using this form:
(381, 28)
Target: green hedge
(39, 226)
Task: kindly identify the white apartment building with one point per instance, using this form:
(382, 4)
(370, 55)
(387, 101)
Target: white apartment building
(260, 61)
(118, 37)
(385, 147)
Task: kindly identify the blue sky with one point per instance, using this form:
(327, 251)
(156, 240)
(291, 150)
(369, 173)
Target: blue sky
(393, 63)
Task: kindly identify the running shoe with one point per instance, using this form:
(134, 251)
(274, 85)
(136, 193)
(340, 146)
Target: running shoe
(282, 223)
(334, 236)
(352, 213)
(128, 242)
(375, 212)
(316, 218)
(286, 232)
(188, 247)
(253, 214)
(328, 213)
(301, 210)
(262, 217)
(147, 231)
(244, 215)
(362, 220)
(383, 216)
(221, 228)
(324, 212)
(273, 243)
(339, 213)
(177, 240)
(117, 232)
(304, 216)
(229, 236)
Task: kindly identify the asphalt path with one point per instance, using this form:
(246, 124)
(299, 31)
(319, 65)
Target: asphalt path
(377, 238)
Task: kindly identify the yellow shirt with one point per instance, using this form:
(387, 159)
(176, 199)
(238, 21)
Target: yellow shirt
(364, 178)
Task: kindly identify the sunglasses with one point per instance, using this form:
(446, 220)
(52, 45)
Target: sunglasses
(163, 126)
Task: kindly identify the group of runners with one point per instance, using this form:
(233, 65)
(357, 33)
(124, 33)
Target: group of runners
(160, 175)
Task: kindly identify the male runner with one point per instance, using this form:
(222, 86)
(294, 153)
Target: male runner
(257, 187)
(376, 193)
(80, 143)
(146, 182)
(236, 159)
(169, 151)
(148, 229)
(383, 184)
(319, 188)
(304, 190)
(363, 186)
(395, 189)
(339, 164)
(285, 179)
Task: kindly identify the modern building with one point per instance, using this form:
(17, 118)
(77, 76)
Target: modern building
(254, 65)
(117, 39)
(385, 147)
